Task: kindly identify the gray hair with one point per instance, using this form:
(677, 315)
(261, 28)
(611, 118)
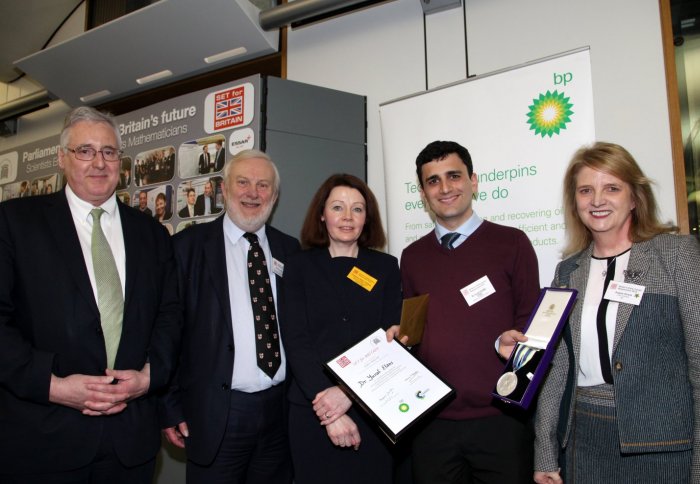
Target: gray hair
(248, 154)
(90, 115)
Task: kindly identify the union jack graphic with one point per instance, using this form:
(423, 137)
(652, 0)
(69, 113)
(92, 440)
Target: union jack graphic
(229, 107)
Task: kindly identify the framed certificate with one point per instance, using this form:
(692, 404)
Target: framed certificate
(388, 382)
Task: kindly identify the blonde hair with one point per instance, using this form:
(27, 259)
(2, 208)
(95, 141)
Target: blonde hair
(614, 160)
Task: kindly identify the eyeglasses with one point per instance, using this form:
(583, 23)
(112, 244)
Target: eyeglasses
(88, 153)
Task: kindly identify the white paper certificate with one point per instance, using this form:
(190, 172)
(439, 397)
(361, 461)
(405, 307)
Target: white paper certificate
(389, 382)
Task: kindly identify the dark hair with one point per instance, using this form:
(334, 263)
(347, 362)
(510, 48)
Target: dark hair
(187, 192)
(314, 232)
(439, 150)
(161, 195)
(616, 161)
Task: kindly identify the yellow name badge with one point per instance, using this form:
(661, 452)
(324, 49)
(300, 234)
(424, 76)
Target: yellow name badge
(362, 279)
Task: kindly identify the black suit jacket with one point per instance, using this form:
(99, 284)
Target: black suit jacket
(202, 389)
(199, 206)
(220, 159)
(204, 163)
(184, 212)
(124, 181)
(50, 323)
(325, 312)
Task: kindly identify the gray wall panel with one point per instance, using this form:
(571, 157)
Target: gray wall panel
(294, 107)
(304, 162)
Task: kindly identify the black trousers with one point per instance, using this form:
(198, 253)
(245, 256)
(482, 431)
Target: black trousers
(105, 468)
(493, 450)
(255, 448)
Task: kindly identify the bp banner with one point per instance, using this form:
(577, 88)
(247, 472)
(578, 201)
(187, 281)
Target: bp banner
(521, 126)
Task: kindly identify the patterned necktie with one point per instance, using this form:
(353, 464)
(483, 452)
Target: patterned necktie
(110, 300)
(267, 343)
(448, 239)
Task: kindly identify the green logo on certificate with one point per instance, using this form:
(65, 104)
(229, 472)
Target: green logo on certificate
(549, 113)
(403, 407)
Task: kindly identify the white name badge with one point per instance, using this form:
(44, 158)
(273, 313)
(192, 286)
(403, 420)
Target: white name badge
(624, 292)
(277, 267)
(477, 290)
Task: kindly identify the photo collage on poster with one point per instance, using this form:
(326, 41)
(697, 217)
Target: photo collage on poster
(175, 152)
(197, 198)
(42, 183)
(174, 155)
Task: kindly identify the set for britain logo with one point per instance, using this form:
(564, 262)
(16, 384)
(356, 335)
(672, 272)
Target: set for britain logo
(229, 111)
(229, 108)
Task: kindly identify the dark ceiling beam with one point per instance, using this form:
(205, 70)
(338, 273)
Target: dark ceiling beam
(301, 12)
(25, 105)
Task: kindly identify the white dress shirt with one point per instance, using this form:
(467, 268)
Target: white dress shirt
(111, 224)
(247, 376)
(464, 230)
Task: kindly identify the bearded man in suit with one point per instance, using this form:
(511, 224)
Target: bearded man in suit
(226, 407)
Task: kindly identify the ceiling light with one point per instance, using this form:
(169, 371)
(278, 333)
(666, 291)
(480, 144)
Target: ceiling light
(154, 77)
(95, 95)
(687, 23)
(225, 55)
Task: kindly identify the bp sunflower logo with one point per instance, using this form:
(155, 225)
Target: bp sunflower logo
(549, 113)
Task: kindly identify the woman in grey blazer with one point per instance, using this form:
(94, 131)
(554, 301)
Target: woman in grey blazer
(620, 403)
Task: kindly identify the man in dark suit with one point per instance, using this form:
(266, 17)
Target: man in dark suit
(92, 335)
(204, 160)
(124, 179)
(143, 203)
(220, 156)
(24, 189)
(170, 159)
(205, 202)
(188, 210)
(224, 409)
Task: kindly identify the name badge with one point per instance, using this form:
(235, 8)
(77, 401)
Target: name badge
(624, 292)
(277, 267)
(362, 279)
(477, 290)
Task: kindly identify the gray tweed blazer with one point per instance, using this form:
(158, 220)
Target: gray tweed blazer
(655, 355)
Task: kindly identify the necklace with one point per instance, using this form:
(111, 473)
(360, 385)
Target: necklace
(605, 271)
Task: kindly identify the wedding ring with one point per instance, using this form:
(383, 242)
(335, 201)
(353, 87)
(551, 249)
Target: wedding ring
(327, 415)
